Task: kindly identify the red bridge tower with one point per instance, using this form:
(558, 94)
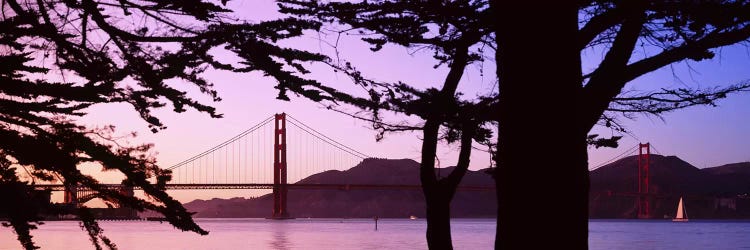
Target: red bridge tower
(644, 205)
(279, 168)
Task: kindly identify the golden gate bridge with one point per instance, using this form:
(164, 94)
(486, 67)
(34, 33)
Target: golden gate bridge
(643, 194)
(246, 161)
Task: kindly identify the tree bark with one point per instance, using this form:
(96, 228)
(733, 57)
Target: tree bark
(542, 175)
(438, 219)
(439, 193)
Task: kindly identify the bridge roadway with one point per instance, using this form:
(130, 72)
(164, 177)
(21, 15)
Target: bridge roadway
(60, 187)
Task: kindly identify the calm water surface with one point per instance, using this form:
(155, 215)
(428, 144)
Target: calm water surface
(361, 234)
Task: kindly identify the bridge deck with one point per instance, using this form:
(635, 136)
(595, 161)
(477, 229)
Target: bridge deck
(60, 187)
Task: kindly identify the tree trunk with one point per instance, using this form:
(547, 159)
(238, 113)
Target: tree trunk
(438, 219)
(439, 193)
(542, 175)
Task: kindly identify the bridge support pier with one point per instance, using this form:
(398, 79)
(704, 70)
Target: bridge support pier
(70, 195)
(279, 168)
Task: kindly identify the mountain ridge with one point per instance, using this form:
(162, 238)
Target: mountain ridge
(716, 192)
(358, 203)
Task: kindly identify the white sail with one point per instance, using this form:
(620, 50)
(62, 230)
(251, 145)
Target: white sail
(681, 214)
(679, 210)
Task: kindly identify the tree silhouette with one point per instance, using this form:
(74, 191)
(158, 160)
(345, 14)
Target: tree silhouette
(548, 104)
(545, 104)
(457, 44)
(60, 57)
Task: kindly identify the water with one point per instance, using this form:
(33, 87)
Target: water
(361, 234)
(665, 234)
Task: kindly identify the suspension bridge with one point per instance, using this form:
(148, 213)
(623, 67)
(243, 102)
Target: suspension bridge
(280, 151)
(643, 183)
(642, 193)
(277, 153)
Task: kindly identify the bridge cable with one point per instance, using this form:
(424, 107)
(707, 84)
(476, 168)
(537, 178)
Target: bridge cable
(33, 179)
(333, 143)
(621, 155)
(655, 150)
(618, 157)
(211, 150)
(323, 135)
(330, 141)
(333, 158)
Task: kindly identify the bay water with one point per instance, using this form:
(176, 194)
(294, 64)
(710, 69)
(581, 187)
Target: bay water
(361, 234)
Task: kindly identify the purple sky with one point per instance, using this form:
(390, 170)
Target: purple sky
(703, 136)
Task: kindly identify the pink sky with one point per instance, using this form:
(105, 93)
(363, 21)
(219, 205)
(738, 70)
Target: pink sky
(703, 136)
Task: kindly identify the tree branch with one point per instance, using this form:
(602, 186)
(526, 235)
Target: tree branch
(605, 82)
(464, 157)
(598, 24)
(696, 50)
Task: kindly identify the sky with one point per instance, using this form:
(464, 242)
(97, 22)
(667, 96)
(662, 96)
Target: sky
(702, 136)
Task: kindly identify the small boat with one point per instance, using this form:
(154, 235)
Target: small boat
(159, 219)
(412, 217)
(681, 215)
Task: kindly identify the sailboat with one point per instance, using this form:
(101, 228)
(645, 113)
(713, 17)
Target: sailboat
(681, 215)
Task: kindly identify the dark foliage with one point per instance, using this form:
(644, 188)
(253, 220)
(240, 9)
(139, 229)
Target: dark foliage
(60, 57)
(457, 32)
(461, 32)
(636, 37)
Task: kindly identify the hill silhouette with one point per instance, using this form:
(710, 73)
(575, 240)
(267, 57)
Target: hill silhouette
(668, 174)
(717, 192)
(359, 203)
(734, 178)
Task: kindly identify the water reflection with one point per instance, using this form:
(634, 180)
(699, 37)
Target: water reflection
(279, 238)
(360, 234)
